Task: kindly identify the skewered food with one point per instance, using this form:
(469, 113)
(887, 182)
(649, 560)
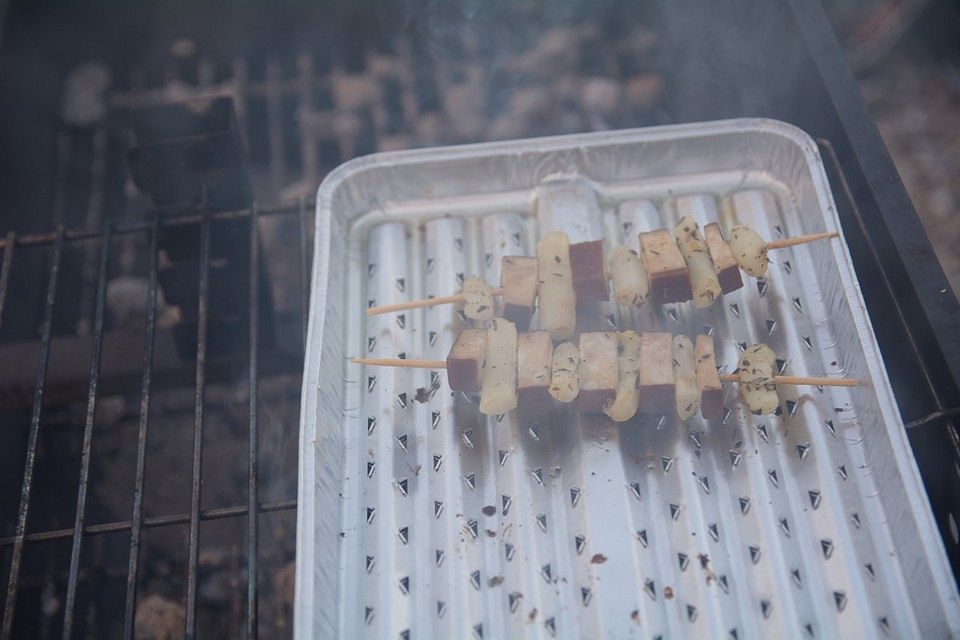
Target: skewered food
(478, 299)
(656, 385)
(598, 369)
(728, 271)
(749, 250)
(565, 372)
(703, 275)
(757, 384)
(466, 359)
(587, 271)
(669, 276)
(627, 401)
(630, 284)
(708, 379)
(534, 361)
(498, 391)
(687, 399)
(571, 274)
(610, 362)
(519, 281)
(558, 312)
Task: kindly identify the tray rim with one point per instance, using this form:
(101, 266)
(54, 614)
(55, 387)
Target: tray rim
(305, 600)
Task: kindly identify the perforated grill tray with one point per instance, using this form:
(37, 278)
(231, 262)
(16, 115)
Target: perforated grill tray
(418, 517)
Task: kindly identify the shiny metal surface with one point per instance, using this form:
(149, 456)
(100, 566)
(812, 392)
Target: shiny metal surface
(420, 518)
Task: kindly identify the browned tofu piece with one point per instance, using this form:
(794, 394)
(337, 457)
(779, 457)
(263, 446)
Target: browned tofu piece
(465, 362)
(534, 357)
(656, 385)
(728, 273)
(598, 370)
(669, 277)
(519, 278)
(587, 270)
(711, 393)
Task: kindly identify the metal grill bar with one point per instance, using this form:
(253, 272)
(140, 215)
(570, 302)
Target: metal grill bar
(30, 464)
(136, 524)
(153, 523)
(193, 556)
(95, 355)
(254, 444)
(10, 243)
(170, 219)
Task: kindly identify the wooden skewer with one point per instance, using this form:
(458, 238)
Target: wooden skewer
(813, 381)
(402, 362)
(810, 237)
(427, 302)
(459, 297)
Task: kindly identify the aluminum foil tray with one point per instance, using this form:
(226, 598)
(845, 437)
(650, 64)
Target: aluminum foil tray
(420, 518)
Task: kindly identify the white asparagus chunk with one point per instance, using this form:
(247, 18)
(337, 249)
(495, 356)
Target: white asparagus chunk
(757, 385)
(703, 274)
(558, 307)
(478, 299)
(498, 393)
(749, 250)
(685, 378)
(624, 406)
(565, 372)
(630, 283)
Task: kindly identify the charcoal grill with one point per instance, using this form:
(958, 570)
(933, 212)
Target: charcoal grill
(302, 108)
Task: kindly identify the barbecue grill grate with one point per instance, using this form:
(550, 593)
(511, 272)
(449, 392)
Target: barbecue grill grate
(56, 242)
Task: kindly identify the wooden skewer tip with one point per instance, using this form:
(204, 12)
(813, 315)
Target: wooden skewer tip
(425, 302)
(813, 381)
(795, 240)
(404, 363)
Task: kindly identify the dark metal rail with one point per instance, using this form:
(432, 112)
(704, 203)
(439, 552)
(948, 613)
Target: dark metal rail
(95, 355)
(253, 527)
(13, 582)
(137, 523)
(136, 528)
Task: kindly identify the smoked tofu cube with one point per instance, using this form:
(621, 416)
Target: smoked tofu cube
(656, 384)
(587, 270)
(711, 393)
(519, 279)
(669, 276)
(534, 360)
(465, 362)
(728, 272)
(598, 370)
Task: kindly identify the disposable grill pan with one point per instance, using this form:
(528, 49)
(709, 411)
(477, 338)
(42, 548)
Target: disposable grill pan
(418, 517)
